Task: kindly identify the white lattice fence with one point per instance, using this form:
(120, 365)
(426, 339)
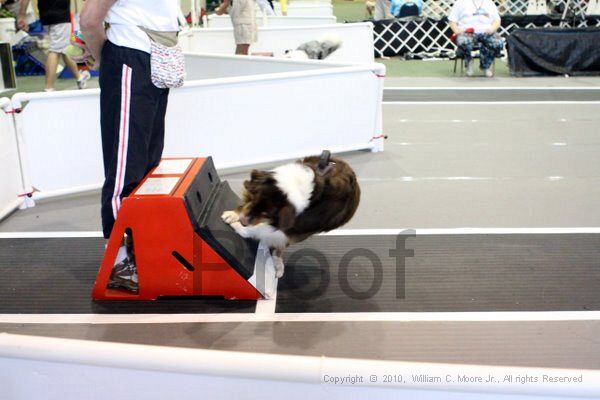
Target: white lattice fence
(587, 23)
(441, 8)
(427, 37)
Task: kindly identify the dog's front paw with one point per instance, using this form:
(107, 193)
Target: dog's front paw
(230, 217)
(279, 267)
(240, 229)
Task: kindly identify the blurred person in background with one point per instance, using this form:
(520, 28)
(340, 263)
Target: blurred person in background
(243, 18)
(382, 10)
(55, 15)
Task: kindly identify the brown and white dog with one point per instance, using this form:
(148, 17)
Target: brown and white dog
(294, 201)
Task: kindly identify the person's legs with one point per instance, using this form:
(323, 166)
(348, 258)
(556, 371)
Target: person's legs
(490, 47)
(59, 40)
(245, 31)
(132, 122)
(157, 138)
(242, 49)
(464, 42)
(82, 77)
(69, 63)
(51, 65)
(132, 117)
(382, 10)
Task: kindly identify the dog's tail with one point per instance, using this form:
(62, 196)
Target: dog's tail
(330, 43)
(317, 49)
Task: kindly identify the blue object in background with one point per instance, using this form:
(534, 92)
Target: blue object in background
(26, 63)
(36, 27)
(397, 6)
(67, 74)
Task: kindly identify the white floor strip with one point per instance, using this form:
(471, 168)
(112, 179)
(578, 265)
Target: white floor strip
(96, 319)
(487, 103)
(352, 232)
(465, 231)
(50, 235)
(493, 88)
(267, 306)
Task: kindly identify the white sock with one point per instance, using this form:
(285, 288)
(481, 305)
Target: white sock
(121, 254)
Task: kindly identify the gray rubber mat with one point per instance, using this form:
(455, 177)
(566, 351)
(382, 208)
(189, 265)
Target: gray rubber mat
(340, 274)
(447, 273)
(491, 95)
(56, 276)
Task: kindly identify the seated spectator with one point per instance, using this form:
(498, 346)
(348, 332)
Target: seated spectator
(382, 10)
(476, 22)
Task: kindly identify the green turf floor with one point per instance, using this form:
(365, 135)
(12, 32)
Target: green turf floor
(36, 84)
(350, 10)
(397, 67)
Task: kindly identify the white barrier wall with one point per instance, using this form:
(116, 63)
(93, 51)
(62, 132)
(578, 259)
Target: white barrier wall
(224, 21)
(240, 121)
(11, 185)
(306, 9)
(309, 2)
(214, 66)
(50, 368)
(357, 41)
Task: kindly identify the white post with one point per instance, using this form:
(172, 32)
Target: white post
(194, 13)
(378, 136)
(26, 187)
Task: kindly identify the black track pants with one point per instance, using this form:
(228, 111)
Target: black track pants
(132, 118)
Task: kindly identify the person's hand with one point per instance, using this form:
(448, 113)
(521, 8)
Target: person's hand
(222, 8)
(83, 58)
(22, 23)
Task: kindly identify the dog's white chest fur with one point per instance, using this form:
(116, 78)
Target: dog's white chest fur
(297, 182)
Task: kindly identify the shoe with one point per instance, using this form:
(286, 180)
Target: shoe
(488, 73)
(124, 275)
(469, 67)
(84, 77)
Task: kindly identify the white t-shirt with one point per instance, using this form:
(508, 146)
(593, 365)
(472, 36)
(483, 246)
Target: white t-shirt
(476, 14)
(126, 16)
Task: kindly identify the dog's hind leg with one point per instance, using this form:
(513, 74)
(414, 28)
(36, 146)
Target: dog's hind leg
(277, 255)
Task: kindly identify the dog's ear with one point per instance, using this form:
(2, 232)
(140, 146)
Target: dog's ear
(287, 217)
(259, 176)
(255, 175)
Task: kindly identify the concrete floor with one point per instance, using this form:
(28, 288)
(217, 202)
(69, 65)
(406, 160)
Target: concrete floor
(445, 166)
